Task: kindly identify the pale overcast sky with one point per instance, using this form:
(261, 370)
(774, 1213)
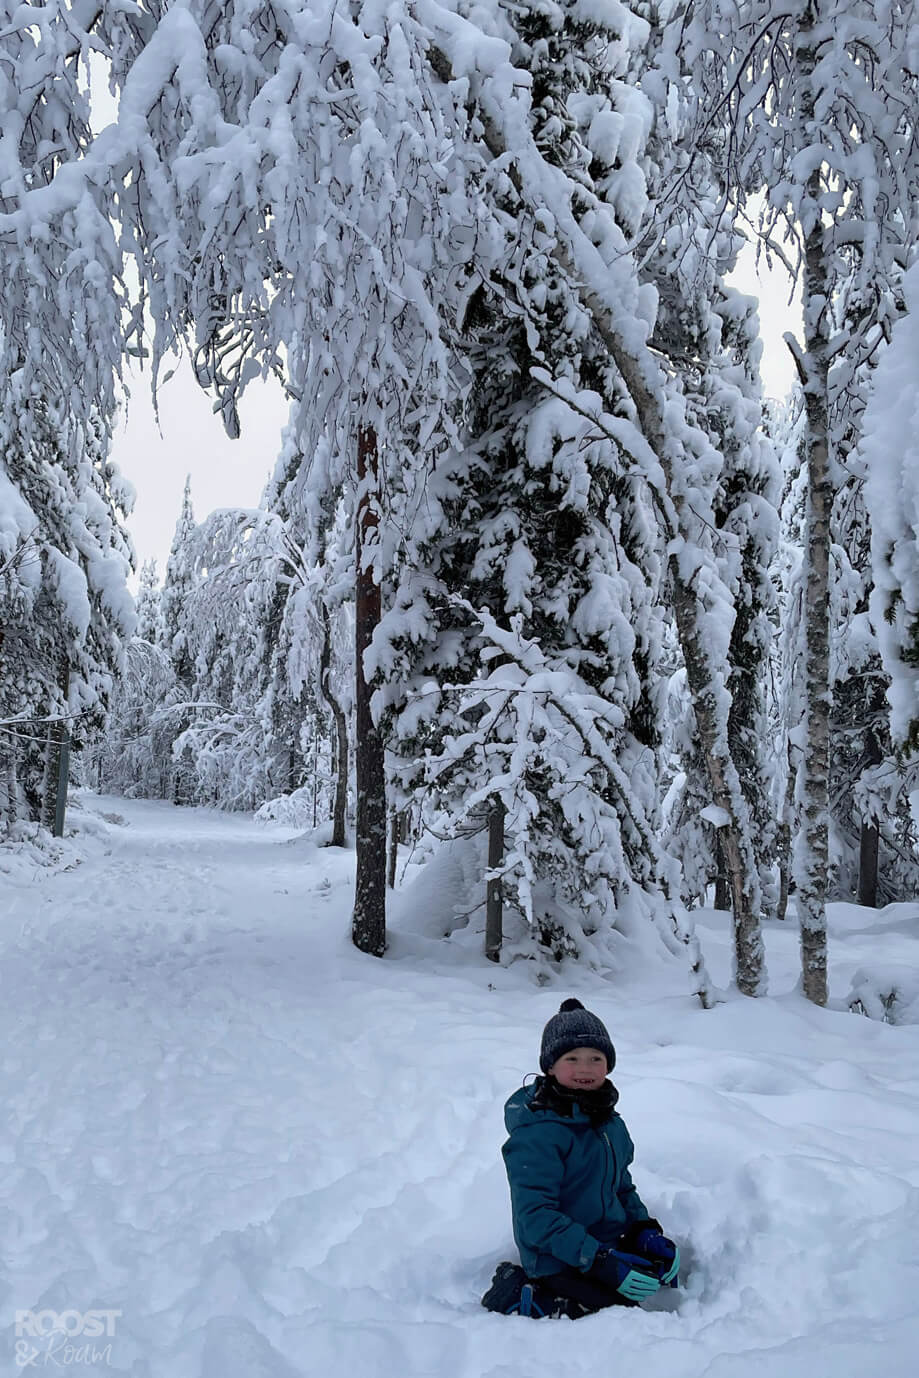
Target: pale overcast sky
(231, 473)
(190, 439)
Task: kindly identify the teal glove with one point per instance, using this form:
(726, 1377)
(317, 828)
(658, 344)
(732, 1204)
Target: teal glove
(626, 1274)
(670, 1277)
(638, 1286)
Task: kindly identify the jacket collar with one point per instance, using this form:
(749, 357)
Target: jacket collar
(596, 1106)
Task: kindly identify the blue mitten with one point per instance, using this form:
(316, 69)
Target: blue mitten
(626, 1274)
(660, 1250)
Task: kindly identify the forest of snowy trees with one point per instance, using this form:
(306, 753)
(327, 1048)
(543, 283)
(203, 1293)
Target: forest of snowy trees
(538, 567)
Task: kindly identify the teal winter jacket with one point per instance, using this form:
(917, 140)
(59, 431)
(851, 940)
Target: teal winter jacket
(571, 1189)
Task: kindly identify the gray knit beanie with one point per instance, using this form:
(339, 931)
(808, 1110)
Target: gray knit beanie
(574, 1027)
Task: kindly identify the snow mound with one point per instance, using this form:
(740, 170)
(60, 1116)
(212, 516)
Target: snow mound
(446, 893)
(890, 994)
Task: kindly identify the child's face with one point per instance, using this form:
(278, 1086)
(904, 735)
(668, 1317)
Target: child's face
(583, 1069)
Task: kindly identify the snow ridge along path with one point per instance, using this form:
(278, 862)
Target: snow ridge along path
(274, 1157)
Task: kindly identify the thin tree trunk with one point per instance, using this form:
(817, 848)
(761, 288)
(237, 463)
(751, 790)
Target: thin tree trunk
(711, 723)
(315, 775)
(868, 865)
(494, 894)
(813, 369)
(784, 837)
(49, 778)
(722, 888)
(870, 837)
(8, 802)
(341, 730)
(368, 929)
(393, 860)
(340, 808)
(57, 769)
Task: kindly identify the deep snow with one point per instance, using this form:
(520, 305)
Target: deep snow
(275, 1156)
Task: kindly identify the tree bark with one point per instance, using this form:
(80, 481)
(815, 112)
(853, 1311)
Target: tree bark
(870, 838)
(813, 369)
(494, 896)
(711, 723)
(784, 835)
(868, 865)
(368, 927)
(722, 888)
(57, 769)
(393, 859)
(341, 729)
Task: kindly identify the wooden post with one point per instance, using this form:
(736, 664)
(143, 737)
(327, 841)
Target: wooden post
(494, 896)
(368, 927)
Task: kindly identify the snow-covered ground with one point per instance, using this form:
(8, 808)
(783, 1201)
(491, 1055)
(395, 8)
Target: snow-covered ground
(273, 1156)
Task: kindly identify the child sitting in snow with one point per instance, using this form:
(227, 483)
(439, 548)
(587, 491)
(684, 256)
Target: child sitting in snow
(586, 1240)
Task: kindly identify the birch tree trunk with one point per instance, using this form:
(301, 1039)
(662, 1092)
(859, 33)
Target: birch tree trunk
(368, 929)
(813, 369)
(784, 835)
(711, 702)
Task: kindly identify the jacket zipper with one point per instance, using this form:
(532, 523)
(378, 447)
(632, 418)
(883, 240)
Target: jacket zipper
(612, 1166)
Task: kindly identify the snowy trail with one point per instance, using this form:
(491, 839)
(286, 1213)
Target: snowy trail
(275, 1156)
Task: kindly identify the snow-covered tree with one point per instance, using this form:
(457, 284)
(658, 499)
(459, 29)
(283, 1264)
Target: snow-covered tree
(709, 334)
(815, 105)
(569, 432)
(786, 425)
(133, 757)
(178, 586)
(533, 527)
(61, 283)
(313, 657)
(148, 605)
(175, 596)
(890, 446)
(64, 555)
(65, 611)
(234, 560)
(874, 853)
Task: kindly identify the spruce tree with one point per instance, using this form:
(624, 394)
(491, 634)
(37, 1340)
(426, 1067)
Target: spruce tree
(178, 586)
(524, 641)
(66, 611)
(149, 613)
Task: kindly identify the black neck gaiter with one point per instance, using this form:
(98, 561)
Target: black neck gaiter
(597, 1105)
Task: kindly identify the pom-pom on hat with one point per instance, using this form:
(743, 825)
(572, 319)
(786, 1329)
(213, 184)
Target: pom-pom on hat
(574, 1027)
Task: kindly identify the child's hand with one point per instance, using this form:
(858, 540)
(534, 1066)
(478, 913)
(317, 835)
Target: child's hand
(657, 1247)
(654, 1245)
(626, 1274)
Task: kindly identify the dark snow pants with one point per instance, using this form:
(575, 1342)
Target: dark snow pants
(580, 1288)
